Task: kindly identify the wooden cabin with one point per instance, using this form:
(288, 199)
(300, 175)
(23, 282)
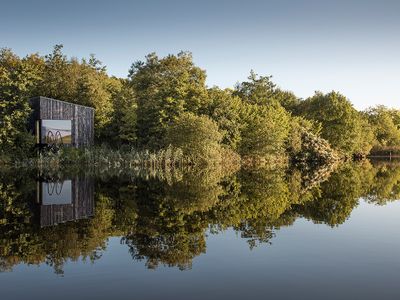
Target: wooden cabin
(56, 122)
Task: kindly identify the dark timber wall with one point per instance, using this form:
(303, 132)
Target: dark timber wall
(82, 118)
(82, 206)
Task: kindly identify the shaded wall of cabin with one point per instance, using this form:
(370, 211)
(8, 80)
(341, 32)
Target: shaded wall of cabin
(82, 118)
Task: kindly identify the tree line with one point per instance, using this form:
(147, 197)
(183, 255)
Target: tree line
(165, 101)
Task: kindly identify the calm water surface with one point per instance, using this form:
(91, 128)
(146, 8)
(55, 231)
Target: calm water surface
(208, 234)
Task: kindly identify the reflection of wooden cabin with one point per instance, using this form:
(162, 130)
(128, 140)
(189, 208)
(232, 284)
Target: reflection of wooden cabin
(64, 201)
(48, 111)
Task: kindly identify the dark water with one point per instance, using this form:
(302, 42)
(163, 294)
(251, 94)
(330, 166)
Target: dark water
(206, 234)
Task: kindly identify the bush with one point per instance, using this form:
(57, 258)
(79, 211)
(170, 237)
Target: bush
(198, 137)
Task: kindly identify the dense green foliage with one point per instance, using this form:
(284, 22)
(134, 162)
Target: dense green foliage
(386, 125)
(163, 100)
(196, 134)
(165, 88)
(164, 218)
(341, 124)
(17, 78)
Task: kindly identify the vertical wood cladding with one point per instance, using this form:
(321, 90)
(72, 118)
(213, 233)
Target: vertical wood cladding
(82, 206)
(82, 118)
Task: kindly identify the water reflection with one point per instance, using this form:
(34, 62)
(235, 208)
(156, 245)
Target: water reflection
(164, 219)
(65, 200)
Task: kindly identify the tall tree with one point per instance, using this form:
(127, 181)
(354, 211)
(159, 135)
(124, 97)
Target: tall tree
(265, 131)
(18, 78)
(342, 124)
(122, 128)
(165, 88)
(257, 90)
(84, 83)
(225, 109)
(386, 126)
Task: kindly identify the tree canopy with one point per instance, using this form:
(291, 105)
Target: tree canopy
(341, 124)
(256, 119)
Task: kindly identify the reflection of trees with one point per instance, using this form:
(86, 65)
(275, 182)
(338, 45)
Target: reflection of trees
(170, 228)
(339, 195)
(16, 215)
(386, 184)
(258, 202)
(54, 245)
(250, 195)
(23, 241)
(163, 219)
(176, 248)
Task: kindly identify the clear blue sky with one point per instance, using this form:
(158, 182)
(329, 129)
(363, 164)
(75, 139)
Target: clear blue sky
(349, 46)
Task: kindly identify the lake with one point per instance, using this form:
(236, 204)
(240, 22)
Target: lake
(329, 232)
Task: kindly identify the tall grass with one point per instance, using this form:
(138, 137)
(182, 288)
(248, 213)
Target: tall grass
(106, 158)
(168, 164)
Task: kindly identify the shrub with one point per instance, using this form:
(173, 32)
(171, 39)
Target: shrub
(198, 137)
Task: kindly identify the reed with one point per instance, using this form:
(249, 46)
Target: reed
(106, 158)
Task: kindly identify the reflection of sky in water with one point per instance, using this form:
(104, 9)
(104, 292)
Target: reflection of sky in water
(342, 243)
(357, 260)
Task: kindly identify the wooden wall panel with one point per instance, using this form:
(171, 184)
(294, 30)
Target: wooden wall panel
(82, 206)
(82, 117)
